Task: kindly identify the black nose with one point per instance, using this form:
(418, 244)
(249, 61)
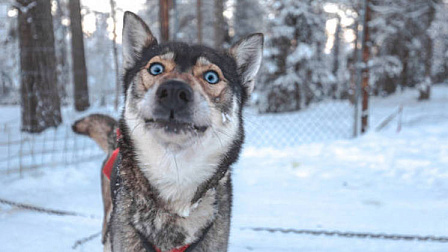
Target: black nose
(174, 95)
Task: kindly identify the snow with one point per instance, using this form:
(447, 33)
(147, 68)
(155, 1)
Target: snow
(382, 182)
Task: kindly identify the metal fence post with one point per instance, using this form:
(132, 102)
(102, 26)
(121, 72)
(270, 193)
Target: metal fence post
(360, 68)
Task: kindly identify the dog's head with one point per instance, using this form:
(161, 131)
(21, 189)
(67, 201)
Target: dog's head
(99, 127)
(183, 94)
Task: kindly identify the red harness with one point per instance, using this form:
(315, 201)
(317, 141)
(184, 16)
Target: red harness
(176, 250)
(108, 167)
(107, 170)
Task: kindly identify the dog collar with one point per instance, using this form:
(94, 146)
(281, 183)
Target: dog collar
(187, 248)
(183, 249)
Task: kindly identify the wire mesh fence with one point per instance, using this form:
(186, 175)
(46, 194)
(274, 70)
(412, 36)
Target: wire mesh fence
(22, 152)
(324, 121)
(55, 147)
(59, 147)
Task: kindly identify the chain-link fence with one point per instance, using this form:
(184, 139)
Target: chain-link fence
(58, 147)
(324, 121)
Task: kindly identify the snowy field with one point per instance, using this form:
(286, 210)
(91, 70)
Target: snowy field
(382, 182)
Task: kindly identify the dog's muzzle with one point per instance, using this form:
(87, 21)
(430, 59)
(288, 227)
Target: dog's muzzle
(174, 96)
(174, 107)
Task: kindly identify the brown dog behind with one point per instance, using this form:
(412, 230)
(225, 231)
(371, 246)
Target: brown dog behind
(102, 129)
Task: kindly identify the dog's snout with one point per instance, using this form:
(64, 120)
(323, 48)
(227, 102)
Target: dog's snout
(174, 95)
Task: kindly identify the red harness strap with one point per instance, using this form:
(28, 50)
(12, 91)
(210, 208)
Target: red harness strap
(107, 169)
(176, 250)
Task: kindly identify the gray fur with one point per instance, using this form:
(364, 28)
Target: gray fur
(149, 205)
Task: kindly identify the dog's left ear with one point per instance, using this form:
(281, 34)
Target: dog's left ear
(248, 53)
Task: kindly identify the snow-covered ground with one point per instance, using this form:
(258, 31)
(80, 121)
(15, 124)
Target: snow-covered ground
(382, 182)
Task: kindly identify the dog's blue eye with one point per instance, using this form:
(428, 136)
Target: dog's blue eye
(211, 77)
(156, 69)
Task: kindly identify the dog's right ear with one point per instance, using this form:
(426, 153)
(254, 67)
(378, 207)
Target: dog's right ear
(136, 37)
(248, 53)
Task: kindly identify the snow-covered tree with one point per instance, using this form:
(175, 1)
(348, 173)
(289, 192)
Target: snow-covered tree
(41, 107)
(81, 88)
(247, 18)
(9, 60)
(100, 60)
(399, 31)
(295, 72)
(150, 14)
(61, 32)
(187, 18)
(439, 33)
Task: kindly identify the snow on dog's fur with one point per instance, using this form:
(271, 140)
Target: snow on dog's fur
(182, 130)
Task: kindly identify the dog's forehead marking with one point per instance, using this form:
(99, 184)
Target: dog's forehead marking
(167, 59)
(202, 61)
(167, 56)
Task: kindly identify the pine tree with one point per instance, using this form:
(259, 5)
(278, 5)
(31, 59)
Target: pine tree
(399, 33)
(219, 24)
(247, 18)
(439, 33)
(41, 107)
(296, 75)
(150, 14)
(61, 33)
(101, 65)
(9, 60)
(208, 19)
(81, 89)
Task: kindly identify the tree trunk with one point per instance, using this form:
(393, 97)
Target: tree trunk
(81, 89)
(219, 25)
(425, 90)
(425, 87)
(365, 72)
(63, 67)
(336, 51)
(164, 20)
(41, 106)
(176, 14)
(115, 54)
(199, 19)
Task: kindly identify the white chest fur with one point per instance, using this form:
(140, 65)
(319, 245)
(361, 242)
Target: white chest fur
(177, 172)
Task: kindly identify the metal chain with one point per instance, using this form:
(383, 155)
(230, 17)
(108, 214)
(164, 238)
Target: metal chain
(46, 210)
(85, 240)
(383, 236)
(348, 234)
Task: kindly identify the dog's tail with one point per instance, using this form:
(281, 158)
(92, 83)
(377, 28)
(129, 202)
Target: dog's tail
(101, 128)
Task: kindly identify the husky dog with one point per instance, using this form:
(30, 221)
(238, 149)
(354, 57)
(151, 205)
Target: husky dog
(101, 128)
(181, 130)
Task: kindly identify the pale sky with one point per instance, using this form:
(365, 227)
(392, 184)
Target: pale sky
(104, 6)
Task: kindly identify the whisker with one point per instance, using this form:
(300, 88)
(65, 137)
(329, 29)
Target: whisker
(177, 168)
(217, 136)
(135, 127)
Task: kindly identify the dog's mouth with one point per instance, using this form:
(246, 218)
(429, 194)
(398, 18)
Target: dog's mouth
(175, 127)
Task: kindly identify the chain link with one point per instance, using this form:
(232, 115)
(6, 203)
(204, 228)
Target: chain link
(85, 240)
(46, 210)
(365, 235)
